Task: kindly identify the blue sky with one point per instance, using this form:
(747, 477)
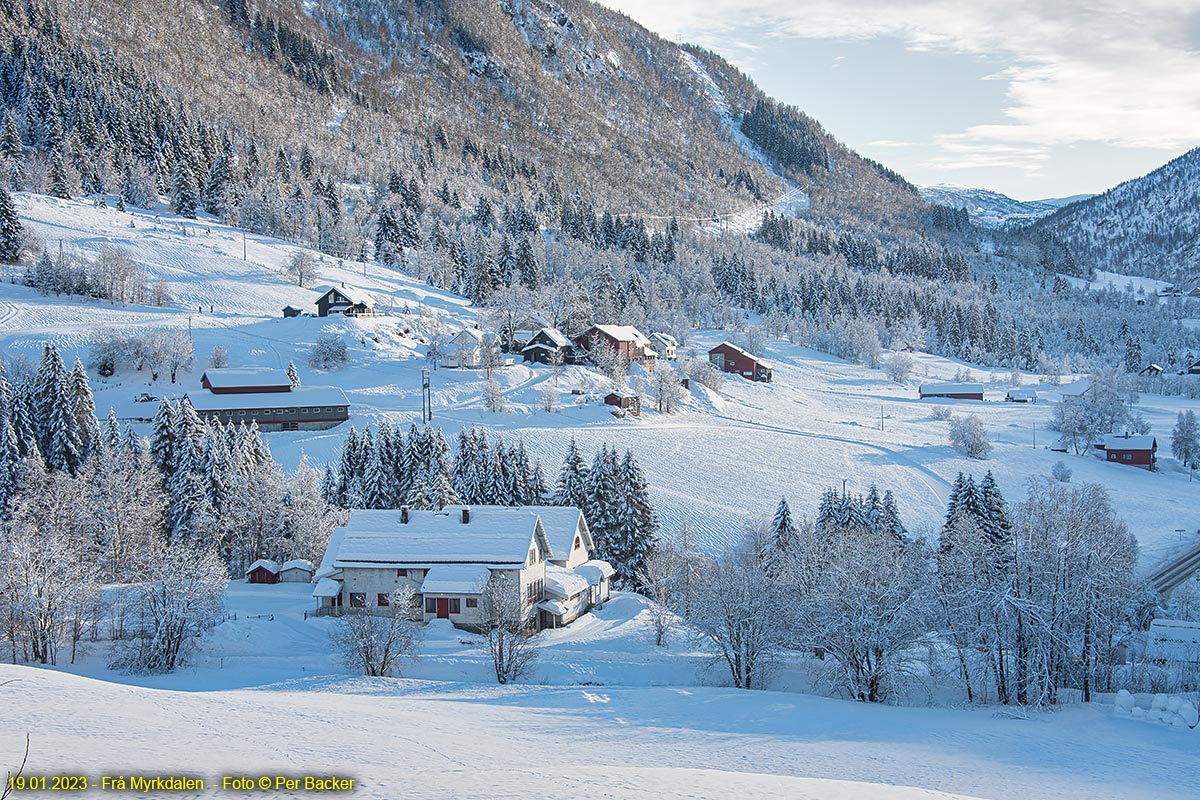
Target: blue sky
(1033, 99)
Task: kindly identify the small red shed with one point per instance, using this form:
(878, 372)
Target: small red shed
(731, 358)
(628, 402)
(262, 571)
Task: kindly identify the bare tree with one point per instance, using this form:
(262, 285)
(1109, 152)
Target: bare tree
(969, 438)
(549, 398)
(218, 358)
(899, 367)
(176, 351)
(377, 644)
(490, 357)
(610, 362)
(504, 621)
(666, 387)
(493, 395)
(11, 777)
(665, 577)
(179, 599)
(302, 267)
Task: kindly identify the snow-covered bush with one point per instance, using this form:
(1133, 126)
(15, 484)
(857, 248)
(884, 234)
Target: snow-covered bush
(942, 413)
(665, 387)
(549, 398)
(377, 644)
(703, 373)
(1061, 472)
(899, 367)
(969, 438)
(493, 395)
(218, 358)
(328, 352)
(179, 599)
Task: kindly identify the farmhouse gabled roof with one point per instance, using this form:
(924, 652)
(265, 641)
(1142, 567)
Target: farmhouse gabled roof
(495, 535)
(353, 294)
(624, 333)
(951, 388)
(265, 563)
(564, 583)
(1114, 442)
(245, 378)
(555, 336)
(562, 524)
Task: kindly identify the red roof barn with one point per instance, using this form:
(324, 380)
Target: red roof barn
(262, 571)
(731, 358)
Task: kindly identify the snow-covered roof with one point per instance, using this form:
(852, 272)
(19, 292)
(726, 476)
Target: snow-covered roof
(307, 396)
(746, 353)
(951, 388)
(624, 333)
(455, 579)
(595, 571)
(554, 335)
(1114, 442)
(327, 587)
(266, 563)
(475, 335)
(1076, 389)
(1174, 640)
(555, 607)
(228, 378)
(665, 338)
(495, 535)
(1018, 392)
(354, 295)
(562, 524)
(564, 583)
(296, 563)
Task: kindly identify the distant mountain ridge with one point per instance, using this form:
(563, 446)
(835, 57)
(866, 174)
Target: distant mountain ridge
(993, 209)
(1147, 226)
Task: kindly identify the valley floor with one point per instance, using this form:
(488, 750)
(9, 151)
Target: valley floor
(605, 714)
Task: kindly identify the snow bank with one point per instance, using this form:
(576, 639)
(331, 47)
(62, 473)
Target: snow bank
(1171, 710)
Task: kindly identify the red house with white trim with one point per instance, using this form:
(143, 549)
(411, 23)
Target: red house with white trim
(1134, 451)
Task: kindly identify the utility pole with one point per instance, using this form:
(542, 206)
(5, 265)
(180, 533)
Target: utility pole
(243, 246)
(1035, 436)
(426, 396)
(881, 416)
(843, 487)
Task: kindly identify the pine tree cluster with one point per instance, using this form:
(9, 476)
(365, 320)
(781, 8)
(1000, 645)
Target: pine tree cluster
(845, 512)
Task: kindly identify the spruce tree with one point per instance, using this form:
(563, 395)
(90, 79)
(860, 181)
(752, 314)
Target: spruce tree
(783, 529)
(185, 192)
(163, 437)
(11, 147)
(572, 486)
(59, 184)
(12, 235)
(994, 521)
(890, 523)
(56, 424)
(636, 527)
(84, 411)
(293, 375)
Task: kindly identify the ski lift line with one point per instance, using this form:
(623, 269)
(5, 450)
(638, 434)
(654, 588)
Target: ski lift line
(791, 194)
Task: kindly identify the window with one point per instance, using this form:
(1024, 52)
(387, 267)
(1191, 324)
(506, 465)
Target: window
(358, 600)
(533, 555)
(402, 573)
(454, 605)
(533, 592)
(430, 605)
(472, 602)
(1127, 456)
(383, 599)
(241, 413)
(577, 542)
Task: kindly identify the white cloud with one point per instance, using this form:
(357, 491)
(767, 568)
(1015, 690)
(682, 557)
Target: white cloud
(1109, 71)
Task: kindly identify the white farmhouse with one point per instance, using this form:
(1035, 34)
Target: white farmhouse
(665, 345)
(465, 349)
(447, 557)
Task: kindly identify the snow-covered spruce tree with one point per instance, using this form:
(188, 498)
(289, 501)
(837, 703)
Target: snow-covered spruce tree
(571, 489)
(185, 191)
(636, 522)
(58, 184)
(293, 374)
(12, 234)
(57, 426)
(782, 535)
(600, 506)
(84, 411)
(164, 436)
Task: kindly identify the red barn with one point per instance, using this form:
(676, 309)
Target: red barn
(731, 358)
(262, 571)
(245, 381)
(952, 391)
(1135, 451)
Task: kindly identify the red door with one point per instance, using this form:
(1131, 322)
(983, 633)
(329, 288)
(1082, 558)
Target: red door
(443, 607)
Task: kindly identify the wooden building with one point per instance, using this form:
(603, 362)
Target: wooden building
(627, 402)
(626, 340)
(665, 345)
(733, 359)
(263, 571)
(1021, 395)
(1134, 451)
(292, 311)
(345, 300)
(952, 391)
(266, 397)
(549, 346)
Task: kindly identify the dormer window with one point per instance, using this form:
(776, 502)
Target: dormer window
(532, 556)
(578, 543)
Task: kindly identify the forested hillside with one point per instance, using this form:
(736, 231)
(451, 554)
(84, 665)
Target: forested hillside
(1147, 226)
(542, 156)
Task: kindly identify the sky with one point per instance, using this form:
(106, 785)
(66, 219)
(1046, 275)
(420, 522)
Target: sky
(1032, 98)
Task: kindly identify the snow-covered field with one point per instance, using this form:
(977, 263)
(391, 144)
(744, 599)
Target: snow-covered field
(1113, 280)
(724, 459)
(606, 714)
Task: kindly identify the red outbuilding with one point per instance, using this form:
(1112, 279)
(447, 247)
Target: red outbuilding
(262, 571)
(1134, 451)
(731, 358)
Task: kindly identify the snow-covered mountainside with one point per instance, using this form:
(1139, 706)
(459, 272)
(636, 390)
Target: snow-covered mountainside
(992, 209)
(1147, 226)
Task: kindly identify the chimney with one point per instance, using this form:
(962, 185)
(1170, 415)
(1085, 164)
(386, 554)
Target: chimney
(404, 515)
(466, 515)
